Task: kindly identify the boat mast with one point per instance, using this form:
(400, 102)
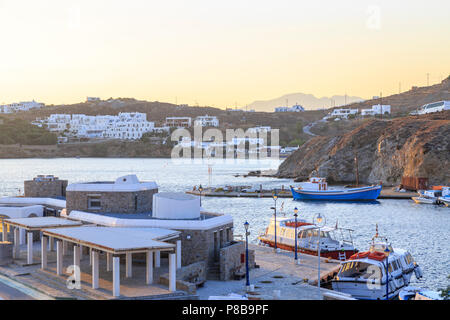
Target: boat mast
(357, 172)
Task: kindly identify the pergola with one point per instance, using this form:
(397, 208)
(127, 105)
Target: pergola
(34, 224)
(116, 241)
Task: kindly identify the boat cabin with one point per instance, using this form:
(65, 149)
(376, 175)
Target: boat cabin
(315, 183)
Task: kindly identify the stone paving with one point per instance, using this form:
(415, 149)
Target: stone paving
(277, 271)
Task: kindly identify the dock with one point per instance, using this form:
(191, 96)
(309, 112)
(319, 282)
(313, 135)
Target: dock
(278, 272)
(388, 193)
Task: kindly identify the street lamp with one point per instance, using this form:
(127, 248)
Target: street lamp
(386, 254)
(247, 274)
(295, 248)
(319, 221)
(275, 197)
(200, 189)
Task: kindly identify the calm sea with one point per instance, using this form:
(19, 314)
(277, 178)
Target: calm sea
(422, 229)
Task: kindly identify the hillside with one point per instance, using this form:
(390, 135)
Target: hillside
(386, 151)
(18, 131)
(402, 104)
(288, 123)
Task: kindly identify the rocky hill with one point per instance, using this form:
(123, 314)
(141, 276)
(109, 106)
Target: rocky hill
(386, 151)
(410, 100)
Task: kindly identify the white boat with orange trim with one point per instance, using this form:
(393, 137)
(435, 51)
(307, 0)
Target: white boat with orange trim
(377, 274)
(308, 238)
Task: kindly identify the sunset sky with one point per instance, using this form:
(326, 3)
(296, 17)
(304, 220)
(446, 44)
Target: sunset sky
(219, 52)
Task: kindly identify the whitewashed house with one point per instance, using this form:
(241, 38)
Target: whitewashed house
(20, 106)
(178, 122)
(206, 121)
(294, 108)
(376, 109)
(126, 125)
(341, 113)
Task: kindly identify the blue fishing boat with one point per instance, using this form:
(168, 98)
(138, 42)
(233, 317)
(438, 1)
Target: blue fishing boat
(317, 189)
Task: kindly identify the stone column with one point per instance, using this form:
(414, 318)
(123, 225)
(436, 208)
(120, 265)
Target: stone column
(116, 276)
(76, 256)
(16, 251)
(172, 272)
(157, 259)
(30, 247)
(43, 252)
(59, 257)
(128, 265)
(149, 271)
(178, 254)
(95, 260)
(108, 261)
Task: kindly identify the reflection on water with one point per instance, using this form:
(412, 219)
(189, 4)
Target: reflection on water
(422, 229)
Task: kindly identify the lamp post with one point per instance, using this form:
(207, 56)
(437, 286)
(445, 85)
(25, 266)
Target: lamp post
(295, 248)
(200, 189)
(319, 221)
(247, 274)
(275, 197)
(386, 253)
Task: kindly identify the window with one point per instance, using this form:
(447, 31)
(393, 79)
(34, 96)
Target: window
(364, 270)
(94, 202)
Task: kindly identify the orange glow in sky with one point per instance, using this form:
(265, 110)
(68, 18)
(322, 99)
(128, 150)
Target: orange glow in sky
(219, 52)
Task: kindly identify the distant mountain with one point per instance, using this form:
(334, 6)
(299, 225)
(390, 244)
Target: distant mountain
(308, 101)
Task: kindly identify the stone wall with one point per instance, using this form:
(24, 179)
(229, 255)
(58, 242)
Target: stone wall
(45, 189)
(199, 245)
(232, 259)
(112, 202)
(188, 277)
(6, 249)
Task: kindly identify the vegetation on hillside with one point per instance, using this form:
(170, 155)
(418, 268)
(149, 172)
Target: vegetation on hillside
(17, 131)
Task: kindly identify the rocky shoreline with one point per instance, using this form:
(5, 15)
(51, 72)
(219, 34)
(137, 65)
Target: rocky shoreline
(386, 150)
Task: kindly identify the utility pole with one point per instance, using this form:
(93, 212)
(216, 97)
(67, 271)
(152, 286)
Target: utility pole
(381, 105)
(428, 79)
(399, 87)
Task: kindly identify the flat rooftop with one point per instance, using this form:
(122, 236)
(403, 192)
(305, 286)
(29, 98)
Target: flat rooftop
(115, 239)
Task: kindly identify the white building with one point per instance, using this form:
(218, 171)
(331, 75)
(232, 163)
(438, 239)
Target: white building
(341, 113)
(434, 107)
(20, 106)
(206, 121)
(126, 125)
(178, 122)
(259, 129)
(93, 99)
(294, 108)
(376, 109)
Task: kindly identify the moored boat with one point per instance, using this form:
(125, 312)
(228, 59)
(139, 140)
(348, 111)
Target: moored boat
(379, 273)
(433, 196)
(308, 238)
(414, 293)
(317, 189)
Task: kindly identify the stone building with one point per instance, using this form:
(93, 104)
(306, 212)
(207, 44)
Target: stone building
(45, 187)
(126, 195)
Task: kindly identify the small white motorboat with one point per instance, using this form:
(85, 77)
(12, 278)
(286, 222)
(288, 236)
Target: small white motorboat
(428, 196)
(377, 274)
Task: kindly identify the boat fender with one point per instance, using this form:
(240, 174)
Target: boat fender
(418, 272)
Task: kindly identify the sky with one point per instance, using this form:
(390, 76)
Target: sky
(219, 53)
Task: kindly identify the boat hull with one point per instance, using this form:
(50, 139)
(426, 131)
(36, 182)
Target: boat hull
(355, 194)
(325, 254)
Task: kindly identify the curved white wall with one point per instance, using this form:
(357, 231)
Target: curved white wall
(173, 205)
